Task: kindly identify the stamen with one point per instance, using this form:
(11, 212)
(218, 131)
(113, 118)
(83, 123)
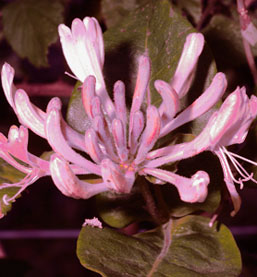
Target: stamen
(242, 158)
(71, 75)
(229, 178)
(240, 169)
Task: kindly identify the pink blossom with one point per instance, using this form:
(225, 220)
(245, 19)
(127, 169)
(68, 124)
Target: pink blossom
(119, 144)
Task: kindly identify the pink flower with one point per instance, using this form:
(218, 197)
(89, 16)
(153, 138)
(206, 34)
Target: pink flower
(118, 143)
(225, 127)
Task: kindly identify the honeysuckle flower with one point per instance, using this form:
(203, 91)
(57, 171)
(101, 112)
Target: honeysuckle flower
(225, 127)
(117, 144)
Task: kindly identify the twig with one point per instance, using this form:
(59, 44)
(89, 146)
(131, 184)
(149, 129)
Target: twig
(208, 10)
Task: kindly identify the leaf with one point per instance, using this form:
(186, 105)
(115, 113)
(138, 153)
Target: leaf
(76, 115)
(119, 210)
(191, 8)
(187, 247)
(8, 174)
(223, 34)
(31, 27)
(113, 11)
(140, 33)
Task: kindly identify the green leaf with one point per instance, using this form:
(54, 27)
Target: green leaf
(140, 33)
(187, 247)
(224, 37)
(191, 8)
(119, 210)
(114, 11)
(31, 27)
(76, 115)
(8, 174)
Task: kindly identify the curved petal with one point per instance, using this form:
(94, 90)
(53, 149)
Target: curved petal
(194, 189)
(143, 77)
(27, 114)
(170, 100)
(59, 144)
(7, 76)
(201, 105)
(150, 134)
(183, 76)
(70, 185)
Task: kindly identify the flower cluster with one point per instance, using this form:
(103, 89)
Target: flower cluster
(119, 143)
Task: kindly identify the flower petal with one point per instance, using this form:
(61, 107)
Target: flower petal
(137, 128)
(170, 104)
(120, 102)
(150, 134)
(183, 76)
(88, 92)
(116, 178)
(194, 189)
(59, 144)
(7, 76)
(201, 105)
(143, 76)
(92, 147)
(119, 139)
(27, 114)
(70, 185)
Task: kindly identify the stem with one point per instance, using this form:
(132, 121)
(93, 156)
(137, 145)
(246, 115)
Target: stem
(151, 206)
(244, 22)
(250, 59)
(209, 10)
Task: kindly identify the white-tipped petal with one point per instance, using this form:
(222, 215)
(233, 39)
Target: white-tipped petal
(7, 76)
(27, 114)
(183, 76)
